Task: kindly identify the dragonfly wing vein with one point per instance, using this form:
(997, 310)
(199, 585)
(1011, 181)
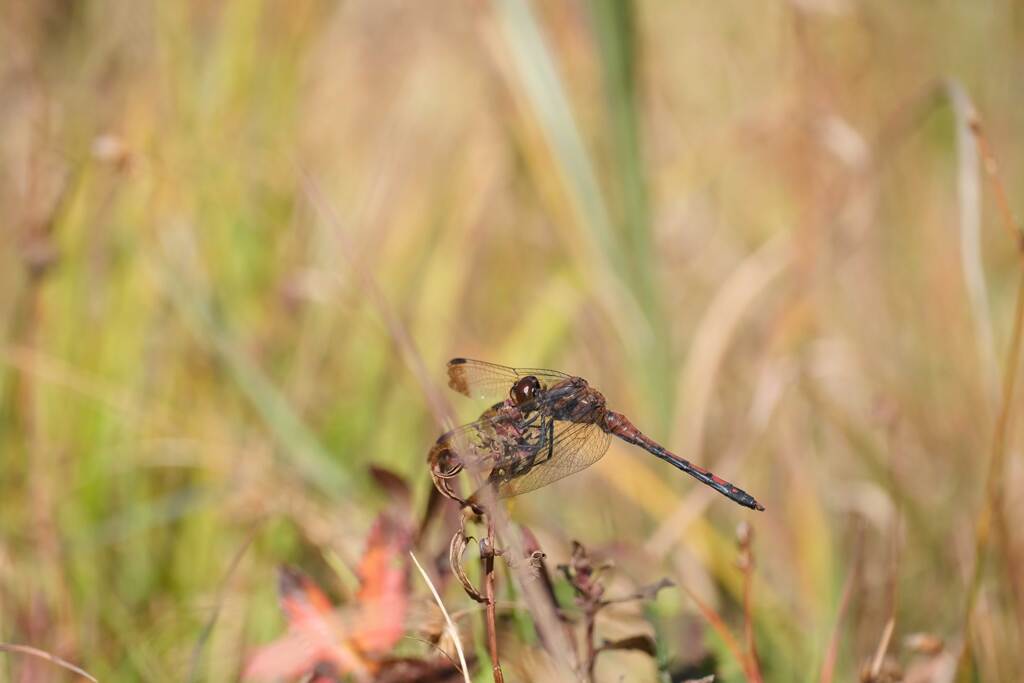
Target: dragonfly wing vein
(483, 380)
(568, 448)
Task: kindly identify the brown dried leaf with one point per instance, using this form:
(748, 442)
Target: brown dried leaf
(392, 484)
(410, 670)
(642, 643)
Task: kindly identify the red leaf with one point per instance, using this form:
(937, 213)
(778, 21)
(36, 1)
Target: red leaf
(302, 601)
(315, 635)
(287, 657)
(383, 596)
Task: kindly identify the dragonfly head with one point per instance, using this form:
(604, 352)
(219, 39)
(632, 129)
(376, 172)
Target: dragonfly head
(524, 390)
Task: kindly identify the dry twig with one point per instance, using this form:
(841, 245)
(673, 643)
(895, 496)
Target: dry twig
(745, 538)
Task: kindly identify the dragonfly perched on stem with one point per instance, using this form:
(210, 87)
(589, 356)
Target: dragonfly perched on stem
(548, 426)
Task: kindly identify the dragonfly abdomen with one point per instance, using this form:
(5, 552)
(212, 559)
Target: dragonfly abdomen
(621, 427)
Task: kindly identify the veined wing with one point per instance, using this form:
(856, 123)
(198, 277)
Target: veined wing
(480, 379)
(565, 449)
(494, 441)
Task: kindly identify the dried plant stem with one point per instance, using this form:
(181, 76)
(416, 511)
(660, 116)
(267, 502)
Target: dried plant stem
(993, 513)
(591, 621)
(997, 465)
(715, 619)
(748, 628)
(492, 630)
(403, 341)
(41, 654)
(746, 561)
(828, 666)
(883, 646)
(992, 170)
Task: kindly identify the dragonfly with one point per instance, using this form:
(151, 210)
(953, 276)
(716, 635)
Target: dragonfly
(547, 425)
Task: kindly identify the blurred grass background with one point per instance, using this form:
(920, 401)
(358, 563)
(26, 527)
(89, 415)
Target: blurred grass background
(760, 228)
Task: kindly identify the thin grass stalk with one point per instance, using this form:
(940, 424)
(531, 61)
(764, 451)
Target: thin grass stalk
(298, 442)
(828, 665)
(883, 647)
(718, 624)
(618, 42)
(745, 536)
(969, 203)
(400, 336)
(41, 654)
(604, 255)
(222, 590)
(452, 631)
(543, 86)
(992, 511)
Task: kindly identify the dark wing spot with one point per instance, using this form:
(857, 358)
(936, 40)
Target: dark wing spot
(457, 376)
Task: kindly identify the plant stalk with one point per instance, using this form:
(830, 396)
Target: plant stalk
(492, 630)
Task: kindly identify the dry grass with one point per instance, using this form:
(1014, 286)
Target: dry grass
(241, 240)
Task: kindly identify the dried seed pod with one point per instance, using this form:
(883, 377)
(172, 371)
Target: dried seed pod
(456, 551)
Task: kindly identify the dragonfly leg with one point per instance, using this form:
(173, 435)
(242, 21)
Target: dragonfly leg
(526, 458)
(550, 440)
(547, 443)
(530, 420)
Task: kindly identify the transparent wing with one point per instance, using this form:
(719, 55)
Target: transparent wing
(495, 440)
(517, 456)
(480, 379)
(567, 449)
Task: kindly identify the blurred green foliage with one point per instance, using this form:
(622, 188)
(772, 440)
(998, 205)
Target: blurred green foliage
(742, 221)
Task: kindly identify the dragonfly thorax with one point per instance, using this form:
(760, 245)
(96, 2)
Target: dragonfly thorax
(576, 401)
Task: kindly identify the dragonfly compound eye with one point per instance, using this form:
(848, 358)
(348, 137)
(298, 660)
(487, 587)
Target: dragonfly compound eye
(525, 390)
